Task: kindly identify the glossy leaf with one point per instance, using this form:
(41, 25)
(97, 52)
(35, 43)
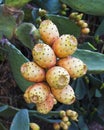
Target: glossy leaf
(16, 3)
(65, 25)
(7, 24)
(93, 60)
(2, 127)
(16, 59)
(20, 121)
(23, 33)
(93, 7)
(52, 6)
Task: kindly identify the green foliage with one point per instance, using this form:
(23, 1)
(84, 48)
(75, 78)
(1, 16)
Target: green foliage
(20, 121)
(7, 24)
(93, 60)
(24, 32)
(93, 7)
(52, 6)
(16, 59)
(100, 29)
(16, 3)
(65, 25)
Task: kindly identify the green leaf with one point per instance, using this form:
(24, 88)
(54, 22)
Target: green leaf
(65, 25)
(16, 3)
(82, 125)
(2, 127)
(7, 111)
(93, 60)
(52, 6)
(87, 46)
(100, 29)
(3, 108)
(11, 111)
(97, 93)
(20, 121)
(23, 33)
(80, 89)
(94, 82)
(16, 59)
(93, 7)
(7, 24)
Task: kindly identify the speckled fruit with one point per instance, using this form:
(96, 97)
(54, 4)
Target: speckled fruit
(65, 95)
(65, 45)
(46, 106)
(75, 67)
(43, 55)
(37, 93)
(32, 72)
(57, 77)
(48, 31)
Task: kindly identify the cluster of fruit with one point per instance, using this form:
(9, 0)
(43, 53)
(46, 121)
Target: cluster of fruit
(65, 123)
(78, 20)
(51, 69)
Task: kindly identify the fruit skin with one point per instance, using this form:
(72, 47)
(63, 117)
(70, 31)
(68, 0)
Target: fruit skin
(85, 30)
(72, 114)
(46, 106)
(57, 77)
(37, 93)
(32, 72)
(34, 126)
(43, 55)
(65, 95)
(48, 31)
(75, 67)
(65, 45)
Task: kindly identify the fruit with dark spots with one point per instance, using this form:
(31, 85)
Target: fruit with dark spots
(65, 95)
(75, 67)
(32, 72)
(43, 55)
(48, 32)
(46, 106)
(65, 45)
(57, 77)
(37, 93)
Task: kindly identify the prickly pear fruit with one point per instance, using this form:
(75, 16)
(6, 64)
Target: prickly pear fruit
(75, 67)
(65, 45)
(47, 105)
(48, 32)
(57, 77)
(65, 95)
(37, 93)
(32, 72)
(43, 55)
(26, 95)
